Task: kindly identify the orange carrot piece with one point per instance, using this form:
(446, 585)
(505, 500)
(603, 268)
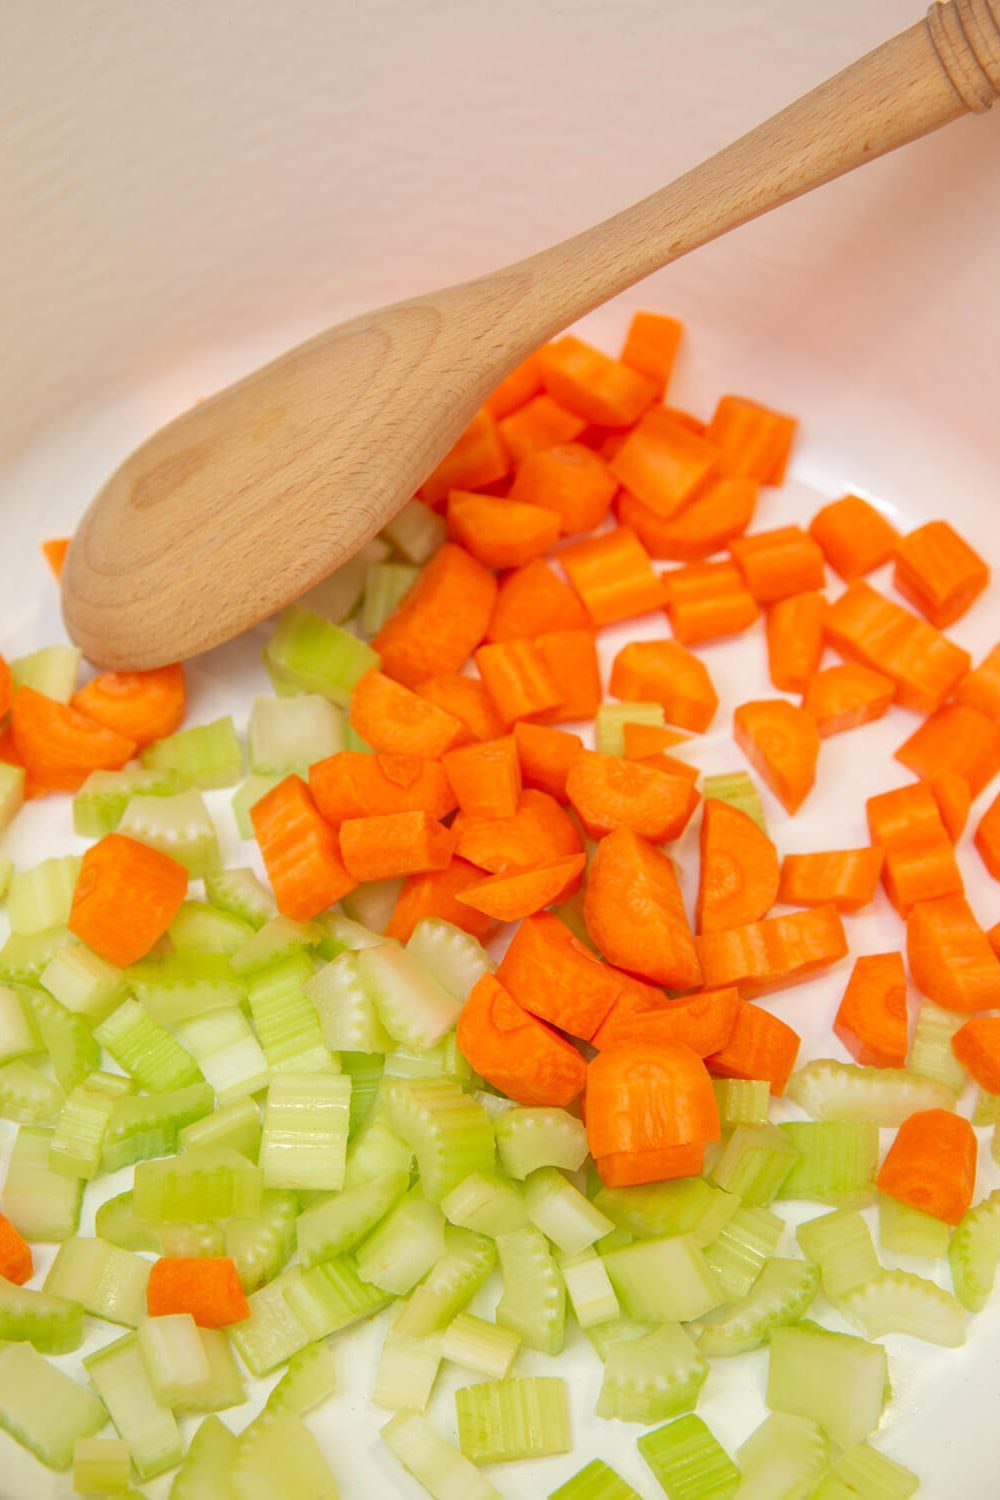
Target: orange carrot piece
(593, 385)
(546, 756)
(352, 784)
(738, 881)
(686, 419)
(844, 878)
(795, 640)
(510, 897)
(467, 700)
(988, 838)
(854, 536)
(956, 738)
(539, 833)
(706, 600)
(720, 511)
(54, 551)
(779, 563)
(638, 1000)
(651, 347)
(769, 955)
(206, 1286)
(300, 850)
(976, 1044)
(441, 620)
(142, 706)
(993, 937)
(871, 1019)
(642, 740)
(981, 687)
(635, 914)
(931, 1165)
(402, 843)
(16, 1264)
(634, 1168)
(477, 459)
(435, 894)
(613, 575)
(664, 464)
(514, 1051)
(672, 765)
(939, 573)
(760, 1046)
(517, 679)
(6, 688)
(570, 480)
(643, 1097)
(663, 672)
(846, 696)
(754, 440)
(924, 665)
(609, 792)
(572, 662)
(486, 778)
(395, 721)
(532, 601)
(920, 862)
(954, 800)
(517, 388)
(500, 533)
(950, 957)
(126, 897)
(780, 741)
(58, 746)
(703, 1022)
(540, 423)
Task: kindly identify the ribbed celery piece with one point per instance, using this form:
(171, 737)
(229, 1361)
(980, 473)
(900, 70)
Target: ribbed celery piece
(742, 1101)
(12, 784)
(18, 1036)
(931, 1052)
(262, 1245)
(316, 656)
(449, 1284)
(372, 903)
(415, 532)
(588, 1287)
(277, 939)
(50, 671)
(40, 898)
(118, 1375)
(100, 804)
(841, 1245)
(831, 1090)
(41, 1203)
(101, 1466)
(385, 585)
(503, 1420)
(450, 1133)
(24, 955)
(835, 1379)
(900, 1302)
(333, 1295)
(781, 1294)
(42, 1408)
(652, 1378)
(245, 799)
(754, 1163)
(273, 1332)
(235, 1125)
(201, 928)
(443, 1060)
(346, 1010)
(84, 982)
(177, 987)
(611, 718)
(340, 1222)
(191, 1369)
(338, 596)
(180, 826)
(741, 1248)
(288, 735)
(619, 1330)
(782, 1460)
(375, 1150)
(836, 1164)
(304, 1139)
(193, 1239)
(149, 1125)
(407, 1370)
(690, 1205)
(51, 1323)
(910, 1232)
(974, 1252)
(533, 1301)
(453, 957)
(204, 1474)
(27, 1096)
(105, 1280)
(444, 1473)
(115, 1221)
(206, 1184)
(365, 1070)
(688, 1462)
(341, 935)
(408, 1241)
(664, 1280)
(873, 1476)
(310, 1378)
(205, 756)
(83, 1121)
(413, 1007)
(228, 1053)
(486, 1203)
(478, 1345)
(739, 790)
(986, 1110)
(154, 1058)
(562, 1212)
(242, 893)
(284, 1018)
(278, 1455)
(596, 1481)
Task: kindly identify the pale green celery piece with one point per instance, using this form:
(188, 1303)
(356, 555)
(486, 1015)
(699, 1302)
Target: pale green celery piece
(688, 1462)
(374, 1151)
(899, 1302)
(40, 1203)
(180, 826)
(385, 586)
(618, 1239)
(24, 955)
(413, 1007)
(228, 1053)
(174, 1358)
(304, 1138)
(199, 927)
(841, 1245)
(177, 987)
(754, 1163)
(50, 671)
(286, 736)
(974, 1252)
(873, 1476)
(192, 1240)
(246, 797)
(830, 1090)
(223, 1386)
(443, 1472)
(6, 872)
(371, 904)
(204, 1473)
(205, 756)
(84, 982)
(27, 1096)
(742, 1101)
(43, 1409)
(235, 1125)
(986, 1110)
(100, 804)
(346, 1011)
(40, 898)
(148, 1053)
(689, 1205)
(595, 1482)
(611, 718)
(620, 1330)
(739, 790)
(741, 1249)
(311, 1377)
(317, 656)
(652, 1378)
(12, 781)
(277, 940)
(837, 1162)
(533, 1301)
(52, 1324)
(910, 1232)
(407, 1242)
(106, 1281)
(273, 1332)
(835, 1379)
(261, 1246)
(340, 1222)
(588, 1287)
(115, 1221)
(478, 1345)
(150, 1124)
(931, 1052)
(449, 1284)
(332, 1295)
(407, 1370)
(454, 958)
(415, 532)
(341, 935)
(831, 1487)
(18, 1036)
(205, 1184)
(783, 1459)
(664, 1280)
(242, 893)
(781, 1294)
(278, 1455)
(285, 1019)
(443, 1060)
(503, 1420)
(338, 596)
(365, 1070)
(451, 1135)
(101, 1466)
(562, 1212)
(488, 1204)
(67, 1039)
(118, 1375)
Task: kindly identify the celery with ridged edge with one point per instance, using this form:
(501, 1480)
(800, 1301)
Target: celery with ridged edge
(341, 1221)
(835, 1379)
(204, 1473)
(84, 982)
(12, 783)
(664, 1280)
(286, 736)
(588, 1287)
(596, 1481)
(454, 958)
(303, 1143)
(177, 987)
(611, 718)
(375, 1150)
(149, 1125)
(179, 826)
(100, 804)
(385, 585)
(115, 1221)
(40, 898)
(407, 1369)
(40, 1203)
(241, 892)
(831, 1090)
(562, 1212)
(450, 1133)
(783, 1459)
(346, 1010)
(533, 1301)
(688, 1461)
(781, 1294)
(741, 1248)
(310, 1378)
(500, 1421)
(873, 1476)
(478, 1345)
(25, 954)
(754, 1163)
(739, 790)
(27, 1096)
(43, 1409)
(228, 1053)
(413, 1007)
(408, 1241)
(900, 1302)
(652, 1378)
(316, 656)
(235, 1125)
(688, 1205)
(273, 1332)
(836, 1164)
(742, 1101)
(148, 1053)
(52, 1324)
(18, 1037)
(415, 532)
(339, 934)
(443, 1472)
(541, 1136)
(119, 1377)
(277, 939)
(107, 1281)
(333, 1295)
(50, 671)
(486, 1203)
(974, 1252)
(205, 756)
(260, 1245)
(83, 1121)
(841, 1245)
(449, 1284)
(619, 1330)
(278, 1455)
(337, 596)
(909, 1231)
(931, 1052)
(204, 1184)
(101, 1466)
(285, 1020)
(443, 1060)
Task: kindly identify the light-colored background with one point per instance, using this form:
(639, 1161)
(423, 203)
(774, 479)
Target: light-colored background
(189, 186)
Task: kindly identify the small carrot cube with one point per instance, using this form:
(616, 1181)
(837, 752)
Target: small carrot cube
(664, 464)
(486, 778)
(613, 575)
(939, 572)
(854, 536)
(126, 897)
(206, 1286)
(593, 385)
(570, 480)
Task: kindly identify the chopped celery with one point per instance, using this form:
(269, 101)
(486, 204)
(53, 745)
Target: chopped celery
(240, 892)
(27, 1096)
(174, 1358)
(205, 1184)
(288, 735)
(154, 1058)
(454, 958)
(372, 904)
(611, 718)
(118, 1375)
(873, 1476)
(40, 898)
(41, 1203)
(588, 1287)
(533, 1301)
(742, 1101)
(228, 1053)
(407, 1370)
(12, 783)
(365, 1070)
(443, 1060)
(620, 1330)
(276, 940)
(780, 1295)
(837, 1162)
(338, 596)
(18, 1036)
(931, 1052)
(449, 1284)
(273, 1332)
(835, 1379)
(910, 1232)
(259, 1246)
(595, 1482)
(385, 585)
(50, 671)
(783, 1459)
(150, 1125)
(115, 1221)
(899, 1302)
(562, 1212)
(841, 1245)
(192, 1240)
(652, 1378)
(544, 1136)
(341, 935)
(486, 1203)
(412, 1006)
(974, 1252)
(346, 1010)
(236, 1125)
(688, 1205)
(741, 1248)
(443, 1472)
(450, 1133)
(284, 1018)
(179, 986)
(106, 1281)
(100, 804)
(315, 656)
(503, 1420)
(180, 826)
(986, 1110)
(831, 1090)
(278, 1455)
(331, 1296)
(204, 1474)
(304, 1139)
(25, 954)
(664, 1280)
(83, 982)
(310, 1378)
(42, 1408)
(408, 1241)
(375, 1150)
(754, 1163)
(415, 532)
(206, 756)
(101, 1466)
(220, 1387)
(52, 1324)
(67, 1039)
(688, 1462)
(738, 789)
(246, 797)
(478, 1345)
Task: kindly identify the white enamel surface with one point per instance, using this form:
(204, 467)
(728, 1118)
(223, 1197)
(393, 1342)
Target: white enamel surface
(197, 185)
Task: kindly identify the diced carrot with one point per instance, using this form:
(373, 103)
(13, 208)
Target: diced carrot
(664, 464)
(613, 575)
(539, 833)
(635, 915)
(707, 600)
(780, 741)
(956, 738)
(467, 700)
(403, 843)
(720, 511)
(976, 1044)
(486, 778)
(517, 679)
(643, 740)
(671, 765)
(570, 480)
(779, 563)
(847, 696)
(206, 1286)
(795, 640)
(738, 881)
(988, 838)
(54, 551)
(651, 347)
(126, 897)
(950, 957)
(546, 756)
(769, 955)
(514, 1051)
(920, 862)
(609, 792)
(532, 601)
(142, 706)
(760, 1046)
(993, 937)
(593, 385)
(352, 784)
(395, 721)
(663, 672)
(441, 620)
(300, 850)
(871, 1020)
(754, 440)
(510, 897)
(924, 665)
(16, 1264)
(478, 458)
(647, 1097)
(572, 662)
(435, 894)
(854, 536)
(939, 573)
(638, 1000)
(6, 688)
(703, 1022)
(844, 878)
(500, 533)
(931, 1165)
(954, 800)
(981, 688)
(634, 1168)
(517, 388)
(58, 746)
(540, 423)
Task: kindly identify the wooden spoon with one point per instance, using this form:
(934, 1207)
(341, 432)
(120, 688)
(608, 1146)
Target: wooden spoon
(250, 498)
